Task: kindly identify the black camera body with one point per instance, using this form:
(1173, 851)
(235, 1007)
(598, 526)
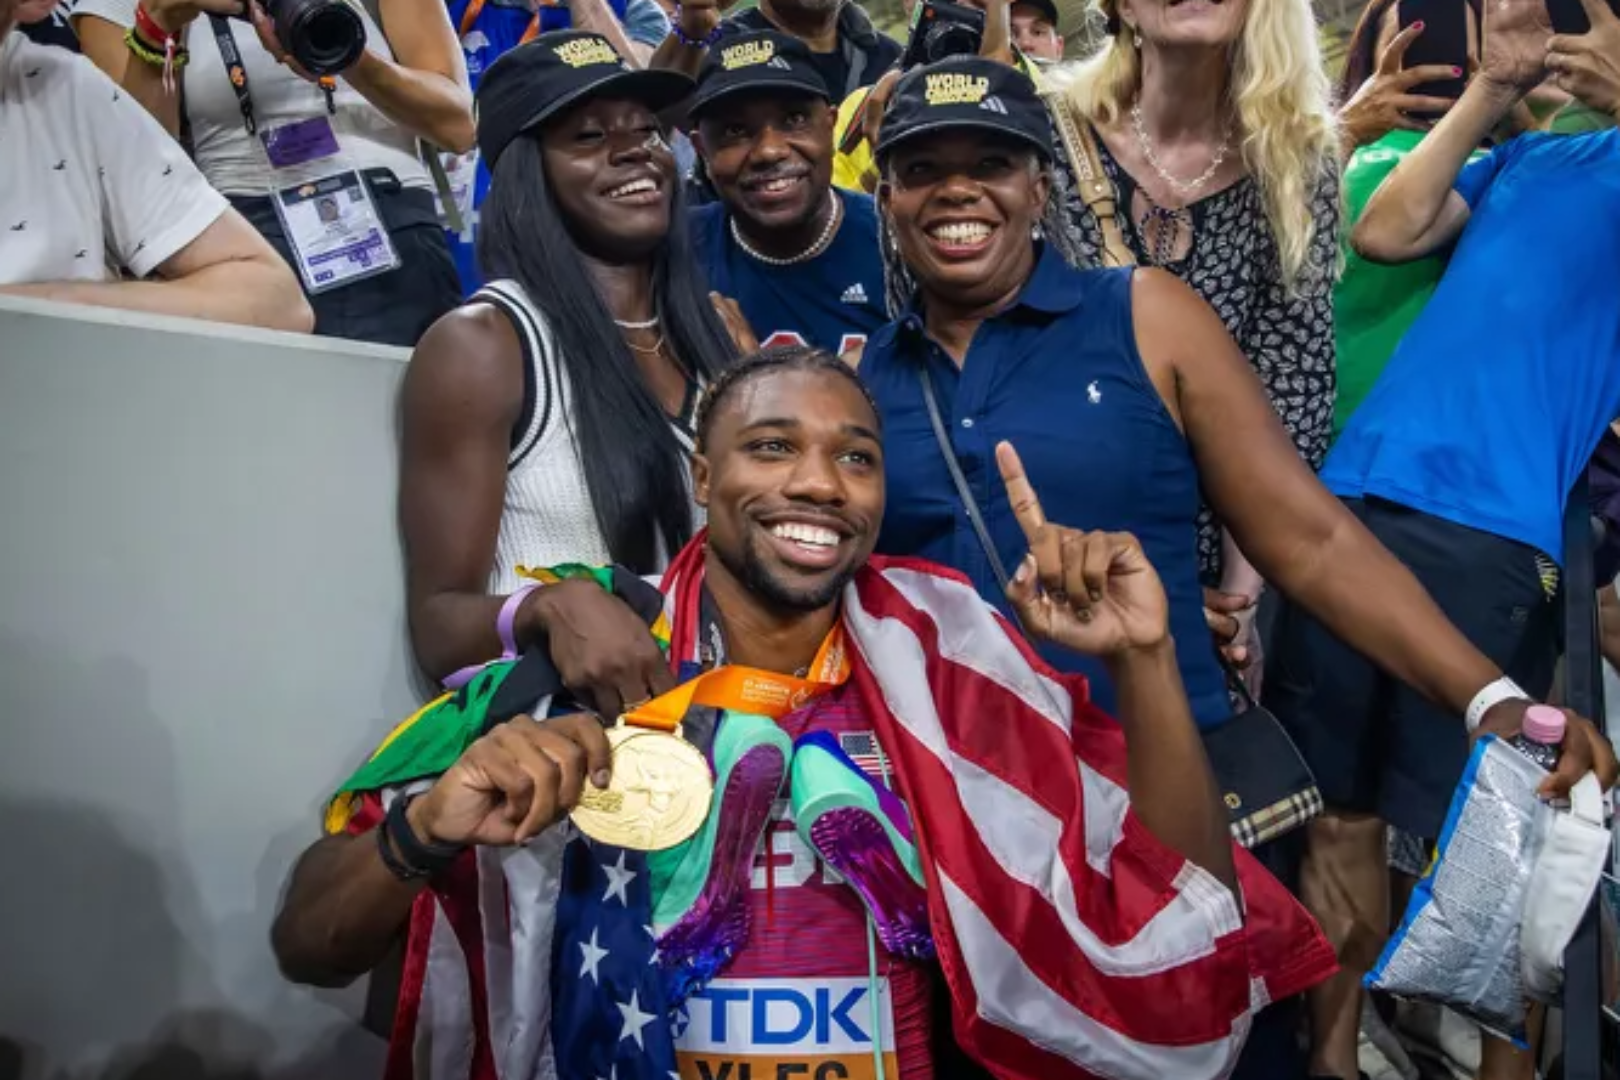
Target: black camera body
(324, 36)
(940, 29)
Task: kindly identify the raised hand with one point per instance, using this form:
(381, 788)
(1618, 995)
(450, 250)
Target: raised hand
(514, 783)
(1385, 101)
(1588, 65)
(1095, 593)
(1516, 33)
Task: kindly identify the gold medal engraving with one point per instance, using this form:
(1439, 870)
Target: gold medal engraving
(659, 795)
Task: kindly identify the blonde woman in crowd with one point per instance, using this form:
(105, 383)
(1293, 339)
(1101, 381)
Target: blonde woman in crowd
(1209, 127)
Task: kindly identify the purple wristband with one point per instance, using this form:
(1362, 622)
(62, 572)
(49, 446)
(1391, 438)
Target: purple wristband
(690, 42)
(504, 629)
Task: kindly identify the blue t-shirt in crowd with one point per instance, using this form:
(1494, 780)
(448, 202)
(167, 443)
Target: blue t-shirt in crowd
(833, 302)
(498, 29)
(1057, 374)
(1495, 400)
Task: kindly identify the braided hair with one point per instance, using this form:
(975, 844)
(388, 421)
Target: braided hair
(770, 361)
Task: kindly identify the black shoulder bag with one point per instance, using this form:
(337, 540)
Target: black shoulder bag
(1267, 787)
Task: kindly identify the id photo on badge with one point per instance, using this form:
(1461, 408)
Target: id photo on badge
(335, 232)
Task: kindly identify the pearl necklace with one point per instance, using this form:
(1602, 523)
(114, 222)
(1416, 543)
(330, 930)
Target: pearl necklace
(648, 325)
(1183, 188)
(815, 249)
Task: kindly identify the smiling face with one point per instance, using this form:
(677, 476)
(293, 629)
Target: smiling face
(612, 175)
(791, 472)
(964, 206)
(770, 158)
(1186, 23)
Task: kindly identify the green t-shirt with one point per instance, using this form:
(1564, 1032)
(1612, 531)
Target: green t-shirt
(1373, 304)
(1575, 118)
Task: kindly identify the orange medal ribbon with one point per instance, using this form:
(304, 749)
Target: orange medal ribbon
(747, 689)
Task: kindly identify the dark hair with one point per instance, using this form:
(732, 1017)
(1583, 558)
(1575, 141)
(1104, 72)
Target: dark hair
(1361, 52)
(770, 361)
(635, 469)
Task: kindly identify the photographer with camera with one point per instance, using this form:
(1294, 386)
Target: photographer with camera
(282, 102)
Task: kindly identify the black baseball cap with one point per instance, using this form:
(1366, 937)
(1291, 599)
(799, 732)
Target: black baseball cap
(758, 63)
(533, 82)
(1045, 7)
(966, 92)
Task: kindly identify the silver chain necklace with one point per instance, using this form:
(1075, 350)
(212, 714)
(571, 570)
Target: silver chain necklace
(1183, 188)
(822, 242)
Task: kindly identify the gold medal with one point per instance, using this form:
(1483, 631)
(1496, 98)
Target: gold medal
(659, 795)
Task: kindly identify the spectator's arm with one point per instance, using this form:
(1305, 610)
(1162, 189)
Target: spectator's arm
(646, 25)
(461, 397)
(1426, 201)
(698, 20)
(424, 89)
(102, 41)
(342, 913)
(1297, 534)
(227, 274)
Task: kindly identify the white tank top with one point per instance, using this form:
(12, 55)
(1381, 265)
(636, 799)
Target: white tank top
(548, 518)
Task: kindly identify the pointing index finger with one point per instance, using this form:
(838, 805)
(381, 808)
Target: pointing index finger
(1389, 61)
(1025, 505)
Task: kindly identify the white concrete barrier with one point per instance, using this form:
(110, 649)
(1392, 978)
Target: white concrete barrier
(201, 633)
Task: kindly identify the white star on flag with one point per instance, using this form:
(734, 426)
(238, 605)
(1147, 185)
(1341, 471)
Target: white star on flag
(593, 958)
(619, 880)
(634, 1021)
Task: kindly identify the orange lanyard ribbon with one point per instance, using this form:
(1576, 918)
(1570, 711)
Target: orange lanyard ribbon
(747, 689)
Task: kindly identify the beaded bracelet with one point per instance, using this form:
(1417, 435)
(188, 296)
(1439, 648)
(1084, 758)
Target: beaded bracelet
(691, 42)
(145, 52)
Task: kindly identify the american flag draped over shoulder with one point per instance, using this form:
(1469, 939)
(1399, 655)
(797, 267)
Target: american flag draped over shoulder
(1076, 945)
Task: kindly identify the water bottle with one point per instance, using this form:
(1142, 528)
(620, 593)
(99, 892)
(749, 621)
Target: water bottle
(1542, 735)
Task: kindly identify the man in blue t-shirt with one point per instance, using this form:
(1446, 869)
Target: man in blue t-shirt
(799, 258)
(488, 29)
(1462, 458)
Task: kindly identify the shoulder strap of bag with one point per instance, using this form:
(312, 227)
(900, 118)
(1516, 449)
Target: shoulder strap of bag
(963, 492)
(424, 149)
(1095, 189)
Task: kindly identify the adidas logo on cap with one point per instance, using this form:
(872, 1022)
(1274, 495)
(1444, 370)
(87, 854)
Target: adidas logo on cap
(993, 104)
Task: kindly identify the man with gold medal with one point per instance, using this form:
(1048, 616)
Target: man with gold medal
(932, 801)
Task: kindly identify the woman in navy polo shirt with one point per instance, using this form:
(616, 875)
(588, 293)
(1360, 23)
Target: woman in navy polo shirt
(1125, 397)
(1120, 388)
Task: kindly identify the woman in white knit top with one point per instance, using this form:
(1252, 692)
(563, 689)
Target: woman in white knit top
(546, 421)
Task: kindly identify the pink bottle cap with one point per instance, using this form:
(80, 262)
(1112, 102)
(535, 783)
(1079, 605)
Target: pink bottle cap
(1544, 724)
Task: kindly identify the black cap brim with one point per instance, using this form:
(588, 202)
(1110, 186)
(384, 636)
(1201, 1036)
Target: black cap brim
(656, 88)
(886, 146)
(784, 84)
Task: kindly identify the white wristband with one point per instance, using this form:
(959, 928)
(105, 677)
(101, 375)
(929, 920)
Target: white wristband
(1503, 689)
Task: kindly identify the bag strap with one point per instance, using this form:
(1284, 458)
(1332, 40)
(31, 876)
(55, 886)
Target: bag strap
(963, 492)
(1096, 190)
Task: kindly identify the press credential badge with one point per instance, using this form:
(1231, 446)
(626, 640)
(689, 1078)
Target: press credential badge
(335, 232)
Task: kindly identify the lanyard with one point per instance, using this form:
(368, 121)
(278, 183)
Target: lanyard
(475, 8)
(236, 74)
(746, 689)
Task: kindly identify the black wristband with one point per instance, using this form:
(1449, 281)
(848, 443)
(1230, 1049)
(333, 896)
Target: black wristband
(407, 857)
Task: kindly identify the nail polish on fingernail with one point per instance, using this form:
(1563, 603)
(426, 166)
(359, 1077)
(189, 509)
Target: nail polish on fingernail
(1418, 25)
(1456, 71)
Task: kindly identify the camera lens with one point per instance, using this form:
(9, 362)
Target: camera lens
(949, 39)
(325, 36)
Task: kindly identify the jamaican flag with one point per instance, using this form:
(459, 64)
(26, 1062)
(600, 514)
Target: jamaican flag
(430, 740)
